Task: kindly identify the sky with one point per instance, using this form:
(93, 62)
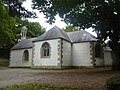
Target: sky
(42, 20)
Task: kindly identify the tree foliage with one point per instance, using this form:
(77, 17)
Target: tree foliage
(10, 26)
(70, 28)
(102, 15)
(6, 25)
(7, 35)
(34, 29)
(16, 9)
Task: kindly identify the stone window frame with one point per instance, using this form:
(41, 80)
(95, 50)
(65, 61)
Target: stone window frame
(45, 50)
(26, 56)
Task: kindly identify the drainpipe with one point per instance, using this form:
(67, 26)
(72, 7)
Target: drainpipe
(61, 55)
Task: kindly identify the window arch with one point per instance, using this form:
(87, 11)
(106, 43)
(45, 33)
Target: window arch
(45, 50)
(26, 55)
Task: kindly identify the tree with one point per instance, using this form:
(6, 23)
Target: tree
(34, 28)
(16, 9)
(102, 15)
(70, 28)
(9, 31)
(7, 35)
(6, 25)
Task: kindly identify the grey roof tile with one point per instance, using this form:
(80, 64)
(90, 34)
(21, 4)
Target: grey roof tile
(24, 44)
(81, 36)
(53, 33)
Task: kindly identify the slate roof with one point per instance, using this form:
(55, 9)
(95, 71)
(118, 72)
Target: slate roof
(24, 44)
(81, 36)
(53, 33)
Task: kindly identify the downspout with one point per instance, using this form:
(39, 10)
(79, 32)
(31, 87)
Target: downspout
(93, 46)
(71, 54)
(33, 50)
(61, 55)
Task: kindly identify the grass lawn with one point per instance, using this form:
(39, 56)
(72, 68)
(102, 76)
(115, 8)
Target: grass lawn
(4, 62)
(37, 86)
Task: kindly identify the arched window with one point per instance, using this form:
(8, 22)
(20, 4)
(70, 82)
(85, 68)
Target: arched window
(26, 55)
(45, 50)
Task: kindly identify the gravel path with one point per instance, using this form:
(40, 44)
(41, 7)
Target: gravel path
(11, 76)
(94, 79)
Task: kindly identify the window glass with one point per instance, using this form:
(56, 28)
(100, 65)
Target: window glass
(26, 55)
(45, 50)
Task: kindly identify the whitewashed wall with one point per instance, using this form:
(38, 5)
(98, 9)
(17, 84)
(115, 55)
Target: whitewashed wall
(107, 58)
(99, 62)
(66, 60)
(52, 61)
(81, 54)
(16, 58)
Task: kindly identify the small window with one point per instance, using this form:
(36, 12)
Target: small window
(26, 55)
(45, 50)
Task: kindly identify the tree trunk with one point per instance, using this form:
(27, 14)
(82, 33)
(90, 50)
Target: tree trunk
(116, 57)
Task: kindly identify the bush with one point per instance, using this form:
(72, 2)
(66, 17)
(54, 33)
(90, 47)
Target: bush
(4, 53)
(113, 83)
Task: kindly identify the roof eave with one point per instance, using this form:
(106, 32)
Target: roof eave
(20, 48)
(83, 41)
(51, 39)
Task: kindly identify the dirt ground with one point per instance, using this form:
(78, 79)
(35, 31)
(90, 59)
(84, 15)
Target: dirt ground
(94, 79)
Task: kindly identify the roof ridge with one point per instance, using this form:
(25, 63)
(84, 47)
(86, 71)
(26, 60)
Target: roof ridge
(53, 33)
(63, 32)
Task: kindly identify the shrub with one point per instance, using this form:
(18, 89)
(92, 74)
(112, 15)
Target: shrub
(113, 83)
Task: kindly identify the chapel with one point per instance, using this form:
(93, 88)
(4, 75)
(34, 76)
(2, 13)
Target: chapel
(59, 49)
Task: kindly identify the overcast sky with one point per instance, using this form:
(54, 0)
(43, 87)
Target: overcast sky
(42, 20)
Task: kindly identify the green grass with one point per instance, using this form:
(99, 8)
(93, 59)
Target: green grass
(78, 68)
(95, 68)
(37, 86)
(4, 63)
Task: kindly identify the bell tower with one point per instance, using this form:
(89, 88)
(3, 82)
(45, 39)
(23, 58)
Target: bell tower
(23, 33)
